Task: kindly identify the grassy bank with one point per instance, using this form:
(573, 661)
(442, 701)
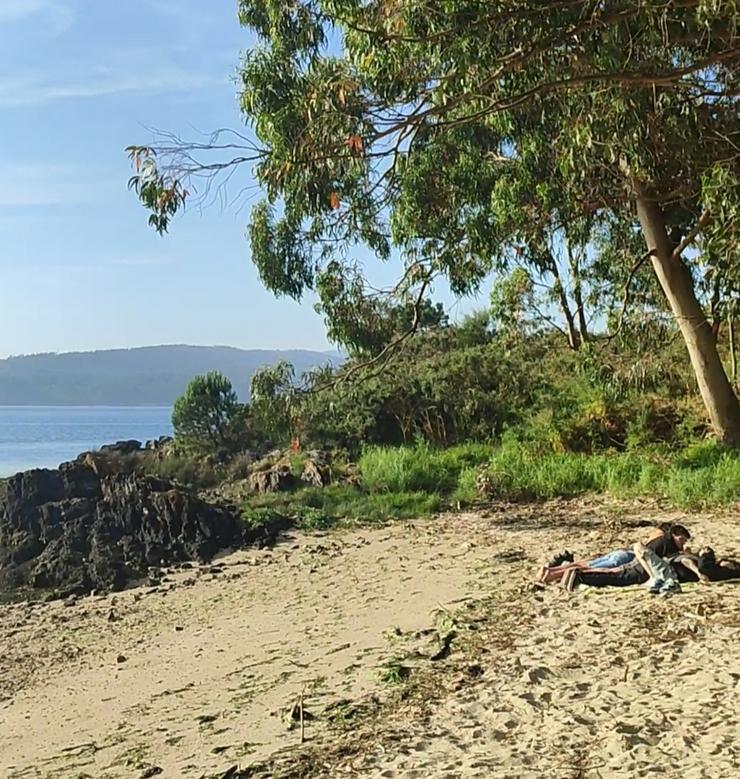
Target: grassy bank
(402, 482)
(700, 476)
(320, 509)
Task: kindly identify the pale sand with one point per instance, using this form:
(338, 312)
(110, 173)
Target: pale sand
(597, 684)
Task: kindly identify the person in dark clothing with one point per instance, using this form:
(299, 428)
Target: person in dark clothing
(669, 544)
(705, 567)
(687, 567)
(672, 541)
(626, 576)
(667, 575)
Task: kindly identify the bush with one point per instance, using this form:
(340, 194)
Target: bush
(600, 426)
(208, 418)
(188, 471)
(238, 467)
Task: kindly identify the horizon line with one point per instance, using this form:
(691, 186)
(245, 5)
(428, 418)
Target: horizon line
(328, 350)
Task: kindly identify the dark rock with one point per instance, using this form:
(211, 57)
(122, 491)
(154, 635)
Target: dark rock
(121, 659)
(156, 444)
(122, 447)
(80, 528)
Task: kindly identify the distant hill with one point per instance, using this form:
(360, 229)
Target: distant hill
(146, 376)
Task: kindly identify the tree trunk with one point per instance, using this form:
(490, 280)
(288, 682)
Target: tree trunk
(678, 286)
(574, 340)
(575, 274)
(714, 307)
(733, 348)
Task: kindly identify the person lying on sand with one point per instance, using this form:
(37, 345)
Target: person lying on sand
(663, 578)
(705, 567)
(669, 544)
(660, 573)
(662, 541)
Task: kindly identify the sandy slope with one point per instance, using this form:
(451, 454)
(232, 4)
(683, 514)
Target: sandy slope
(604, 684)
(587, 685)
(213, 660)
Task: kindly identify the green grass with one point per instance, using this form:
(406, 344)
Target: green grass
(466, 493)
(701, 475)
(420, 468)
(407, 482)
(393, 672)
(318, 509)
(704, 475)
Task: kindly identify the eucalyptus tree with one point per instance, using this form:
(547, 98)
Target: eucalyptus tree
(435, 126)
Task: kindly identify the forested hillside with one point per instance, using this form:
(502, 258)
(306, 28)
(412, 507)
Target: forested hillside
(153, 375)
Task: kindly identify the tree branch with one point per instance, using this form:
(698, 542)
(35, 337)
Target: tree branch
(625, 297)
(388, 350)
(688, 239)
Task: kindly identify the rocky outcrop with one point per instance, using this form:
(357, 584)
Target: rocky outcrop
(122, 447)
(316, 469)
(280, 471)
(83, 527)
(277, 478)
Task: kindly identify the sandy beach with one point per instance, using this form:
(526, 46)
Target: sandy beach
(418, 649)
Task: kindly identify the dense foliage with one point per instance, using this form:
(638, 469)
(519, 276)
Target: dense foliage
(468, 412)
(208, 417)
(562, 139)
(473, 382)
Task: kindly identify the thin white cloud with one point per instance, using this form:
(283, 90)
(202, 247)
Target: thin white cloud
(29, 91)
(13, 10)
(36, 185)
(54, 15)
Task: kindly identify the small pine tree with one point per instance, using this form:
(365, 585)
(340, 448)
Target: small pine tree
(208, 417)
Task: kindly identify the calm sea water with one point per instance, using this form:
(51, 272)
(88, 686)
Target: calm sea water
(44, 436)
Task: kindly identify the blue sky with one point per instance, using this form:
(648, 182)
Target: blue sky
(79, 268)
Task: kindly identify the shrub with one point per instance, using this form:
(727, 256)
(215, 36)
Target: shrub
(208, 418)
(195, 473)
